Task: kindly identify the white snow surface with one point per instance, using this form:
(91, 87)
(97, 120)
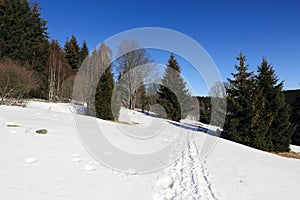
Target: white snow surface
(56, 165)
(295, 148)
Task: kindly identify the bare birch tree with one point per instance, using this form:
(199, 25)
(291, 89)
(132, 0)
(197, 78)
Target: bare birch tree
(89, 74)
(58, 71)
(134, 66)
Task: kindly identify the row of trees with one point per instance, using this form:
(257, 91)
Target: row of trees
(257, 114)
(24, 42)
(135, 67)
(33, 66)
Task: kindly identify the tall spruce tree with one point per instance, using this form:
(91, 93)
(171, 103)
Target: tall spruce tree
(244, 120)
(173, 94)
(72, 52)
(23, 33)
(276, 111)
(103, 96)
(84, 52)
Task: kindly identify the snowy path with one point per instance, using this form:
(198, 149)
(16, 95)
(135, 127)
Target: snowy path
(187, 178)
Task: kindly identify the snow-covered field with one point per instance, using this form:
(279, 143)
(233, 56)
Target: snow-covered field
(56, 165)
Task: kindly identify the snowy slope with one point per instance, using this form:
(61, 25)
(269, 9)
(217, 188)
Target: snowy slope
(56, 166)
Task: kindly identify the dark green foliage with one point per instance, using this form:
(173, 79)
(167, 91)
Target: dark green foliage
(141, 98)
(72, 52)
(257, 114)
(84, 52)
(293, 99)
(295, 118)
(103, 96)
(276, 111)
(205, 109)
(172, 94)
(23, 35)
(244, 121)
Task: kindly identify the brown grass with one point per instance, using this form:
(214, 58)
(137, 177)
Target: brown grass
(288, 154)
(199, 124)
(120, 122)
(12, 126)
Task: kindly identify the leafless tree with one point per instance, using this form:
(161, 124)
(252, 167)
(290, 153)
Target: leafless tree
(218, 102)
(89, 74)
(15, 80)
(134, 66)
(58, 71)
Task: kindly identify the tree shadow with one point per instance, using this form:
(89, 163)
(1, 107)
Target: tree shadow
(192, 127)
(148, 113)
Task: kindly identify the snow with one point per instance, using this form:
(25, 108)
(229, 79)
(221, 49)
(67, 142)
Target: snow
(57, 166)
(295, 148)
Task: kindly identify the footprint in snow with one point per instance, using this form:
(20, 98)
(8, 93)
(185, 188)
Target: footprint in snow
(165, 182)
(29, 160)
(90, 167)
(76, 158)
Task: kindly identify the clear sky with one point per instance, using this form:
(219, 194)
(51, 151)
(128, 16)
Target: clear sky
(224, 28)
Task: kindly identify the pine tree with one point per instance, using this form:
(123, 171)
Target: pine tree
(277, 112)
(72, 52)
(23, 33)
(84, 52)
(173, 94)
(103, 97)
(245, 108)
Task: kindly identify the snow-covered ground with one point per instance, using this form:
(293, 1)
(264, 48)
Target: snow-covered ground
(295, 148)
(57, 166)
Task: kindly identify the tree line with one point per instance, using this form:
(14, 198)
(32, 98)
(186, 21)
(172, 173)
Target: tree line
(34, 66)
(43, 69)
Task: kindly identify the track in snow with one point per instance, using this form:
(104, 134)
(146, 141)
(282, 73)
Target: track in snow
(186, 179)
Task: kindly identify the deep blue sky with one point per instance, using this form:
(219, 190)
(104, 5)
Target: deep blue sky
(224, 28)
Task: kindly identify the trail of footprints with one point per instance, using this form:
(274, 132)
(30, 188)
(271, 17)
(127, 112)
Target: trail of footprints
(186, 179)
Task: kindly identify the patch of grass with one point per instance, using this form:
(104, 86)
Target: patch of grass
(199, 124)
(18, 104)
(13, 125)
(120, 122)
(288, 154)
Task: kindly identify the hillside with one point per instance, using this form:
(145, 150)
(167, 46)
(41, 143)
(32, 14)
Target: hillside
(57, 166)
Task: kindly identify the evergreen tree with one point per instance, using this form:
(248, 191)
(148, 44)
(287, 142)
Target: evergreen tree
(103, 97)
(23, 33)
(244, 121)
(72, 52)
(295, 118)
(276, 110)
(205, 109)
(84, 52)
(173, 94)
(141, 98)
